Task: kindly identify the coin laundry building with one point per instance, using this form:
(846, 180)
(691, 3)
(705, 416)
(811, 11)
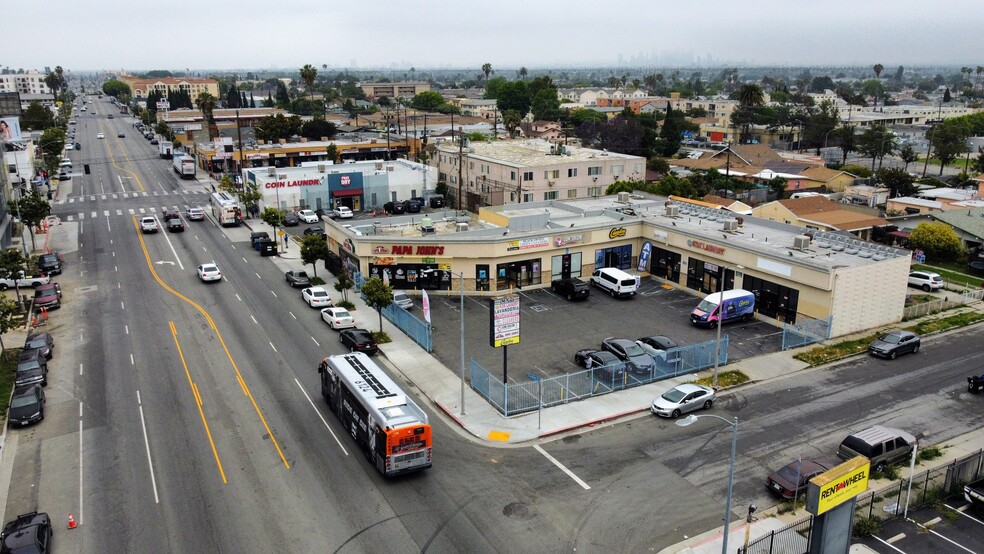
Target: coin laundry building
(795, 276)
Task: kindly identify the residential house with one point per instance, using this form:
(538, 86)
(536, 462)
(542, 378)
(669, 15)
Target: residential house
(819, 212)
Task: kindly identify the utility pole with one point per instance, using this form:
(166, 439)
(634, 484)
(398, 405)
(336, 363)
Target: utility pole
(387, 134)
(239, 133)
(461, 151)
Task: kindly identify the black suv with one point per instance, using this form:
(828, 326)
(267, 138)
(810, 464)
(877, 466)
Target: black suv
(31, 368)
(50, 264)
(30, 532)
(571, 288)
(26, 407)
(436, 202)
(290, 220)
(394, 207)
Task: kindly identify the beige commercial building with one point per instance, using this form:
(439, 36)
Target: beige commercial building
(142, 88)
(795, 277)
(393, 90)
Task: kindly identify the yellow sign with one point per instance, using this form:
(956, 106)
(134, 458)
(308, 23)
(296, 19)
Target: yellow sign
(838, 485)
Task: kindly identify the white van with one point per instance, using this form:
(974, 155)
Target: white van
(615, 281)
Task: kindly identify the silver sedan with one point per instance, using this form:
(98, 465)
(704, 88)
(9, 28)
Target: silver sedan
(682, 399)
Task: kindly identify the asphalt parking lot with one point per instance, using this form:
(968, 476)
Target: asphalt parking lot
(954, 529)
(553, 328)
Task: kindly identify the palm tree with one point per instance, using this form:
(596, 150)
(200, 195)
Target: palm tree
(749, 97)
(523, 72)
(877, 69)
(487, 70)
(206, 103)
(980, 69)
(624, 80)
(308, 75)
(613, 82)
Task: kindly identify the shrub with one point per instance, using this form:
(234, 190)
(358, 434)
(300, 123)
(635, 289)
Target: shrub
(865, 527)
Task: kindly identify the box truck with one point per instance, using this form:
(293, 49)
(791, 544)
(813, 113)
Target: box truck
(738, 305)
(165, 147)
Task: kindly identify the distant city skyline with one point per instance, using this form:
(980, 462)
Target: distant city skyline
(445, 34)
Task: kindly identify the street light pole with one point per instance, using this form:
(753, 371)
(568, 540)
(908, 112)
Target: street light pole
(720, 312)
(690, 419)
(461, 285)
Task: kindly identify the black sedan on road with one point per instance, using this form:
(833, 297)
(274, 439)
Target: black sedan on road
(358, 340)
(26, 406)
(893, 343)
(175, 225)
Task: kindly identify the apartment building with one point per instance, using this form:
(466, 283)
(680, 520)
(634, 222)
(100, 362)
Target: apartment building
(521, 171)
(194, 86)
(24, 83)
(393, 90)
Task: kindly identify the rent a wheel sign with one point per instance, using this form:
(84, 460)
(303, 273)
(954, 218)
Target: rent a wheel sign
(504, 321)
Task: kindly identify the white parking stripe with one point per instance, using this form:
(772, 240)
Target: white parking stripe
(562, 468)
(954, 543)
(888, 545)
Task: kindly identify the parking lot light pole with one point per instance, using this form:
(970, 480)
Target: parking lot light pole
(692, 418)
(720, 310)
(461, 286)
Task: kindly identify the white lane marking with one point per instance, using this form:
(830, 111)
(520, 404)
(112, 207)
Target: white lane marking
(81, 449)
(244, 259)
(131, 360)
(273, 347)
(150, 461)
(173, 251)
(292, 314)
(122, 307)
(316, 341)
(333, 435)
(257, 275)
(80, 369)
(254, 319)
(961, 512)
(238, 298)
(569, 473)
(274, 294)
(126, 329)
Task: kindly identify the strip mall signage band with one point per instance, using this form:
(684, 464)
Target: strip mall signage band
(617, 232)
(296, 183)
(698, 245)
(410, 250)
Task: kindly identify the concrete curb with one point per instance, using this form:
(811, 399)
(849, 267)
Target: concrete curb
(591, 423)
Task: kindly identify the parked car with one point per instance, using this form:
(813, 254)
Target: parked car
(30, 532)
(26, 406)
(121, 134)
(893, 343)
(436, 202)
(31, 368)
(394, 207)
(153, 141)
(792, 479)
(307, 216)
(50, 264)
(316, 231)
(316, 297)
(881, 445)
(148, 225)
(42, 342)
(298, 278)
(412, 206)
(290, 220)
(195, 214)
(100, 136)
(659, 341)
(258, 236)
(48, 296)
(337, 318)
(606, 366)
(975, 383)
(571, 288)
(402, 300)
(343, 212)
(358, 340)
(209, 272)
(925, 280)
(175, 225)
(636, 359)
(682, 399)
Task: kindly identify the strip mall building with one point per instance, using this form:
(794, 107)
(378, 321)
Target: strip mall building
(795, 277)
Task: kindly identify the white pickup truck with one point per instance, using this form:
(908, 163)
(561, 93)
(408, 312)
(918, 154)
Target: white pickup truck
(25, 281)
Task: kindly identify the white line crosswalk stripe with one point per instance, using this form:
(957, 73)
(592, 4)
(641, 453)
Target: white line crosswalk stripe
(106, 213)
(119, 212)
(94, 215)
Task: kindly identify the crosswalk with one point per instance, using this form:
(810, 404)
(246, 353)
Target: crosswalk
(121, 195)
(80, 216)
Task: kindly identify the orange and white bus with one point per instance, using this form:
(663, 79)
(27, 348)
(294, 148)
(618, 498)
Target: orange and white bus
(388, 426)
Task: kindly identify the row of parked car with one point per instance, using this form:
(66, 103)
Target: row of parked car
(339, 319)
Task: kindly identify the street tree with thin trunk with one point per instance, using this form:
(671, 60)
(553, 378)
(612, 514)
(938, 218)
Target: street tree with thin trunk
(32, 209)
(487, 70)
(8, 320)
(314, 249)
(378, 295)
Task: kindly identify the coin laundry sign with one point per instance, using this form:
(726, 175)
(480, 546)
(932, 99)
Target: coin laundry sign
(698, 245)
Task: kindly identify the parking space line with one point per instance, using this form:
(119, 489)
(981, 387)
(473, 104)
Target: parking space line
(951, 541)
(893, 547)
(569, 473)
(962, 511)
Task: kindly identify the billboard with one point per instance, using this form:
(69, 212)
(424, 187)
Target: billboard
(10, 129)
(504, 321)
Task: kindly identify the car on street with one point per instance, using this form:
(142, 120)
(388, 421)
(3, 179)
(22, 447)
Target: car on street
(659, 342)
(402, 300)
(307, 216)
(175, 225)
(153, 141)
(316, 297)
(64, 176)
(343, 212)
(571, 288)
(50, 263)
(48, 296)
(337, 318)
(636, 359)
(26, 406)
(78, 146)
(121, 134)
(297, 278)
(31, 368)
(290, 219)
(316, 231)
(682, 399)
(100, 136)
(893, 343)
(30, 532)
(196, 214)
(358, 340)
(925, 280)
(148, 225)
(792, 478)
(209, 272)
(42, 342)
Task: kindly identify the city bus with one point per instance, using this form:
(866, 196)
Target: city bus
(390, 429)
(225, 209)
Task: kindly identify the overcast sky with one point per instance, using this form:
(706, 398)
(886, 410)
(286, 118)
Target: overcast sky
(230, 34)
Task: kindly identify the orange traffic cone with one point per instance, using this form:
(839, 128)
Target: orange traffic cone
(71, 521)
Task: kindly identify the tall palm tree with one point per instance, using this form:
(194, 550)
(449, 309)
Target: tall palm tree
(523, 72)
(487, 70)
(749, 97)
(206, 103)
(308, 75)
(877, 69)
(624, 79)
(980, 69)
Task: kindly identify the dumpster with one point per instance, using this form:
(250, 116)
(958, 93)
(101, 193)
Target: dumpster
(267, 247)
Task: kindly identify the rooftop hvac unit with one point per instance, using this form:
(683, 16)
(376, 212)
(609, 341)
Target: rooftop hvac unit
(801, 242)
(730, 226)
(322, 168)
(379, 166)
(271, 171)
(673, 211)
(623, 197)
(460, 227)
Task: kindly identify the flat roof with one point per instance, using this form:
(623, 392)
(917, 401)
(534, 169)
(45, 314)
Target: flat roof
(527, 153)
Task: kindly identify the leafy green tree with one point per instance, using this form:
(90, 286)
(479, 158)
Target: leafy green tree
(116, 89)
(977, 166)
(493, 87)
(52, 144)
(273, 217)
(32, 209)
(306, 106)
(55, 81)
(580, 115)
(206, 103)
(876, 142)
(343, 284)
(749, 98)
(309, 74)
(938, 240)
(898, 181)
(514, 95)
(283, 99)
(511, 120)
(36, 117)
(949, 141)
(546, 105)
(226, 185)
(778, 186)
(317, 128)
(275, 127)
(847, 141)
(332, 153)
(523, 72)
(658, 164)
(908, 155)
(313, 249)
(428, 100)
(12, 264)
(8, 320)
(233, 99)
(378, 295)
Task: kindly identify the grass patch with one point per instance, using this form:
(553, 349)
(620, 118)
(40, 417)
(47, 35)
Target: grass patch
(786, 506)
(7, 366)
(825, 354)
(929, 453)
(952, 273)
(725, 379)
(346, 304)
(381, 337)
(914, 299)
(892, 473)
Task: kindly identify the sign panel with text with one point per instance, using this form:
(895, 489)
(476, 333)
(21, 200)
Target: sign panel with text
(504, 321)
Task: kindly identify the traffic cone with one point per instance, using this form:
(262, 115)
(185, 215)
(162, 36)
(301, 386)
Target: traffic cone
(71, 521)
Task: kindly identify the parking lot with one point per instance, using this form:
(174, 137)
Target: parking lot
(954, 528)
(553, 328)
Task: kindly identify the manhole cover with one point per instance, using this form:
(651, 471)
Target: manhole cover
(539, 308)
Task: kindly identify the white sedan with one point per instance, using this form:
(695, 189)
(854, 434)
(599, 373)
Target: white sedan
(337, 318)
(307, 216)
(209, 272)
(316, 297)
(100, 136)
(343, 212)
(682, 399)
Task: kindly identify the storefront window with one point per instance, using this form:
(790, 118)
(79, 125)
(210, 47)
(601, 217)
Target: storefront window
(772, 299)
(666, 265)
(411, 276)
(565, 265)
(706, 276)
(617, 256)
(517, 274)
